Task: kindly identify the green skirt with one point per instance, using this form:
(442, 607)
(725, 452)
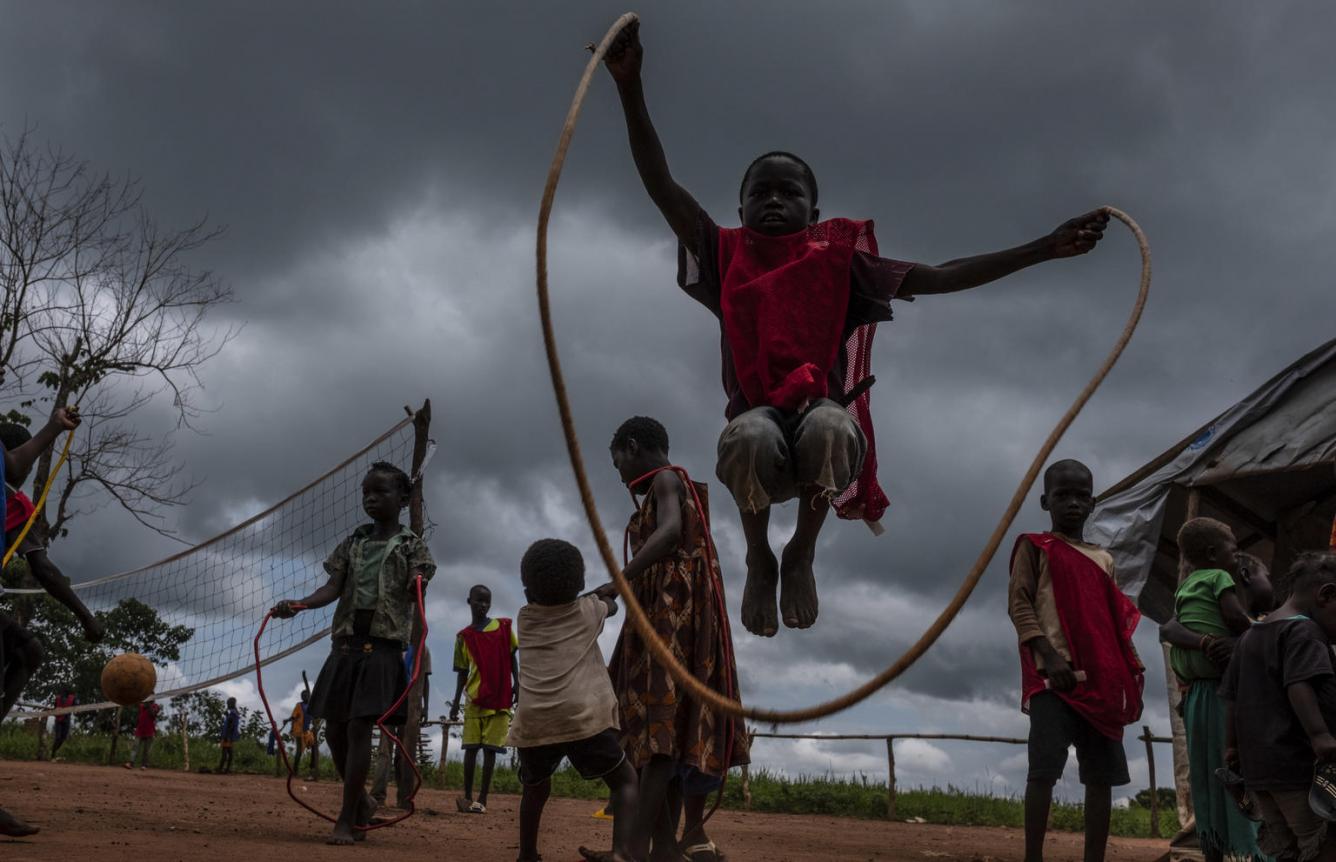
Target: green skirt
(1220, 826)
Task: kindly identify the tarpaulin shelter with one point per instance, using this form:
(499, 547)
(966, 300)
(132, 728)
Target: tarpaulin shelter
(1266, 467)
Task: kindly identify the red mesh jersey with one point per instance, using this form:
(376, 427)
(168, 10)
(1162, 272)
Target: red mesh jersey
(784, 302)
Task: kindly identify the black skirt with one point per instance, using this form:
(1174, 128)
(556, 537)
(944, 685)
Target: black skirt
(362, 678)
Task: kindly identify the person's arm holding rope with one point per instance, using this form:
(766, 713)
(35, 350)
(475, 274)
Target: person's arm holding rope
(679, 208)
(20, 459)
(328, 594)
(1071, 238)
(667, 535)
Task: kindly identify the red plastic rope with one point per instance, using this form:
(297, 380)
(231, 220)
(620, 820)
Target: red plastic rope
(726, 631)
(380, 722)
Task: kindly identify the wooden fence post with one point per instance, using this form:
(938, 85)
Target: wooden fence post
(115, 736)
(1154, 791)
(746, 771)
(890, 778)
(185, 742)
(40, 727)
(445, 746)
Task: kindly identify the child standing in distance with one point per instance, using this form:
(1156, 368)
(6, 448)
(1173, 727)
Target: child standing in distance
(1211, 603)
(1280, 705)
(146, 729)
(371, 576)
(485, 661)
(302, 736)
(65, 700)
(798, 301)
(1081, 680)
(567, 708)
(668, 735)
(228, 738)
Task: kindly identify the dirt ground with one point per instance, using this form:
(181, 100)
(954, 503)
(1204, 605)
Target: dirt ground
(113, 814)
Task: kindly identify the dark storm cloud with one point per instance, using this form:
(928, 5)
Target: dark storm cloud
(378, 168)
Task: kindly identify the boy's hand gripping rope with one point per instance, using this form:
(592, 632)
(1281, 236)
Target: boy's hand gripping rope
(411, 760)
(636, 614)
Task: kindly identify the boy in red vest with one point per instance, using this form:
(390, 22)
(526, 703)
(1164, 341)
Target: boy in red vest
(485, 660)
(798, 301)
(65, 700)
(1081, 680)
(146, 728)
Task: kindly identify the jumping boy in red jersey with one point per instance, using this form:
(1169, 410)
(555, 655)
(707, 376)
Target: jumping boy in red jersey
(798, 301)
(1081, 680)
(20, 652)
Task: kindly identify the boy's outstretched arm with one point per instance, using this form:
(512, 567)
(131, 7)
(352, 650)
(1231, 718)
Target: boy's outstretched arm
(679, 208)
(20, 460)
(1072, 237)
(463, 678)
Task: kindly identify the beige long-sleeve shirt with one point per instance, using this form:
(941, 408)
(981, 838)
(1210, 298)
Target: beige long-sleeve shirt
(1030, 600)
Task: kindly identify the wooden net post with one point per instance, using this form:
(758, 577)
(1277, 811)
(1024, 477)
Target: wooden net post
(890, 778)
(40, 728)
(416, 523)
(445, 746)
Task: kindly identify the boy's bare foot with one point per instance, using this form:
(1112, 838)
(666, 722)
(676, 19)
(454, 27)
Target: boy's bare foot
(797, 597)
(12, 827)
(342, 834)
(758, 596)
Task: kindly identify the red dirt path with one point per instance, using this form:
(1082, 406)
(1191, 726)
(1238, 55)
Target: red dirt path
(106, 814)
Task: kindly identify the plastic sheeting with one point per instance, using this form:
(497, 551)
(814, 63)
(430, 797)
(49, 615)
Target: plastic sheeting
(1268, 461)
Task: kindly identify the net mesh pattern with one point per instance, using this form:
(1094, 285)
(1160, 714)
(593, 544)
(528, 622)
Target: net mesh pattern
(223, 587)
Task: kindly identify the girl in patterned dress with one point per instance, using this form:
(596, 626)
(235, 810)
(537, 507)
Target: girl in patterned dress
(681, 748)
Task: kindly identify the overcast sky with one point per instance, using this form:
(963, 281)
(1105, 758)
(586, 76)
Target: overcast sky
(378, 168)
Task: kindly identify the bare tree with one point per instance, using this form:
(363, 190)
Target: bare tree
(112, 312)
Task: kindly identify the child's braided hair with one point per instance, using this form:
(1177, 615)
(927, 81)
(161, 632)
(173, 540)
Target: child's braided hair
(648, 434)
(553, 572)
(401, 479)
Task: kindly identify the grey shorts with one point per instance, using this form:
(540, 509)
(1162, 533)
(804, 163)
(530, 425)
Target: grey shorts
(1289, 827)
(767, 456)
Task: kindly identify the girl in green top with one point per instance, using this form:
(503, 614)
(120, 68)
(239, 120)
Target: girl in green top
(372, 576)
(1217, 601)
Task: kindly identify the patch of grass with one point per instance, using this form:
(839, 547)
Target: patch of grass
(823, 795)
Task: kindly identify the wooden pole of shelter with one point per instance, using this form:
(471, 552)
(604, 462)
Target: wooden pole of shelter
(416, 523)
(890, 778)
(1148, 738)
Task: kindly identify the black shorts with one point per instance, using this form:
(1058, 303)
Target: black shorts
(31, 542)
(597, 756)
(1055, 727)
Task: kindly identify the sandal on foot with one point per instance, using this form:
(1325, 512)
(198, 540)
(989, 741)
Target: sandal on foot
(707, 852)
(477, 808)
(462, 805)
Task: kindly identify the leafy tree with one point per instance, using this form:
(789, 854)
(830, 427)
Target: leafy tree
(204, 711)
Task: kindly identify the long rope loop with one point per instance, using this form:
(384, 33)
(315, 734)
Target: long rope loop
(380, 722)
(635, 613)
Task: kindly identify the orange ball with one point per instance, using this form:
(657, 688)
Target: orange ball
(128, 679)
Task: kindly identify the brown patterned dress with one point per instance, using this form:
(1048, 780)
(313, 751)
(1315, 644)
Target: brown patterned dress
(678, 595)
